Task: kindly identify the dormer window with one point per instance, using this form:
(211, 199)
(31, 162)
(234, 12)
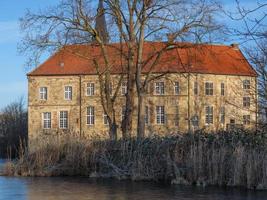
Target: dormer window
(43, 93)
(68, 93)
(159, 88)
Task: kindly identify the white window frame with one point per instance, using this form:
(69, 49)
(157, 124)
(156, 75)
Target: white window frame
(246, 119)
(123, 88)
(209, 115)
(176, 88)
(246, 102)
(90, 89)
(105, 119)
(68, 93)
(209, 89)
(43, 93)
(160, 115)
(90, 115)
(63, 120)
(195, 121)
(246, 84)
(123, 109)
(46, 120)
(159, 88)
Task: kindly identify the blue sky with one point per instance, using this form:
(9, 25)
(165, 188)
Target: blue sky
(13, 81)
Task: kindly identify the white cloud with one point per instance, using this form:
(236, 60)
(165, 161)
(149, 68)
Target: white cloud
(9, 31)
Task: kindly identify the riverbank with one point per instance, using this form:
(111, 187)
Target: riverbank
(221, 159)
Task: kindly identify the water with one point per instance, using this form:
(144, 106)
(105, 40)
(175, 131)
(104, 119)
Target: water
(83, 188)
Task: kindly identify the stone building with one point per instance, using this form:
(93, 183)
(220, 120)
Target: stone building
(202, 87)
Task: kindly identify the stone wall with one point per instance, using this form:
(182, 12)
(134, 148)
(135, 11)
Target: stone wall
(187, 105)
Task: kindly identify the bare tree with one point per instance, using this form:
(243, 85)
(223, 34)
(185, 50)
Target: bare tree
(131, 23)
(13, 127)
(253, 36)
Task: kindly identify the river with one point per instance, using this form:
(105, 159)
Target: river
(83, 188)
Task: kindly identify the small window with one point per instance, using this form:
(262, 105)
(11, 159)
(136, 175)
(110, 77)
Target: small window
(209, 88)
(90, 89)
(222, 115)
(105, 119)
(90, 116)
(209, 115)
(246, 102)
(246, 119)
(195, 121)
(232, 121)
(246, 84)
(195, 88)
(47, 120)
(124, 88)
(43, 93)
(176, 118)
(63, 119)
(160, 110)
(222, 89)
(146, 115)
(68, 93)
(176, 88)
(159, 88)
(123, 110)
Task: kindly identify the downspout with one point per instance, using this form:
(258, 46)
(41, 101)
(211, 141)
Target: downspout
(188, 102)
(256, 93)
(80, 82)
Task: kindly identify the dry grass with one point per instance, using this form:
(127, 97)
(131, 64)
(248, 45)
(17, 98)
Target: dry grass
(224, 159)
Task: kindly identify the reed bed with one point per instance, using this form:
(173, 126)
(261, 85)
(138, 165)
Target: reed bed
(236, 158)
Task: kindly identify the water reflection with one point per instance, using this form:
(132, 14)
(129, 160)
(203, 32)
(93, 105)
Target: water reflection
(83, 188)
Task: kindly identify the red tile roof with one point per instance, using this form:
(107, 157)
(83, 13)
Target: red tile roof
(181, 57)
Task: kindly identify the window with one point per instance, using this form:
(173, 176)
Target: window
(176, 119)
(90, 89)
(105, 119)
(246, 102)
(146, 115)
(63, 119)
(68, 92)
(160, 114)
(246, 84)
(47, 120)
(90, 117)
(123, 110)
(195, 88)
(246, 119)
(176, 88)
(222, 89)
(209, 115)
(43, 93)
(222, 115)
(195, 121)
(209, 88)
(159, 88)
(123, 88)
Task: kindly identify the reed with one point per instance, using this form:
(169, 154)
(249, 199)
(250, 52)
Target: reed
(236, 158)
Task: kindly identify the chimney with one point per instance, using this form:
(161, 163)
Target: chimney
(235, 46)
(101, 25)
(171, 37)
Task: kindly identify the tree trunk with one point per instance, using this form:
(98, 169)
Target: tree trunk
(113, 131)
(141, 117)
